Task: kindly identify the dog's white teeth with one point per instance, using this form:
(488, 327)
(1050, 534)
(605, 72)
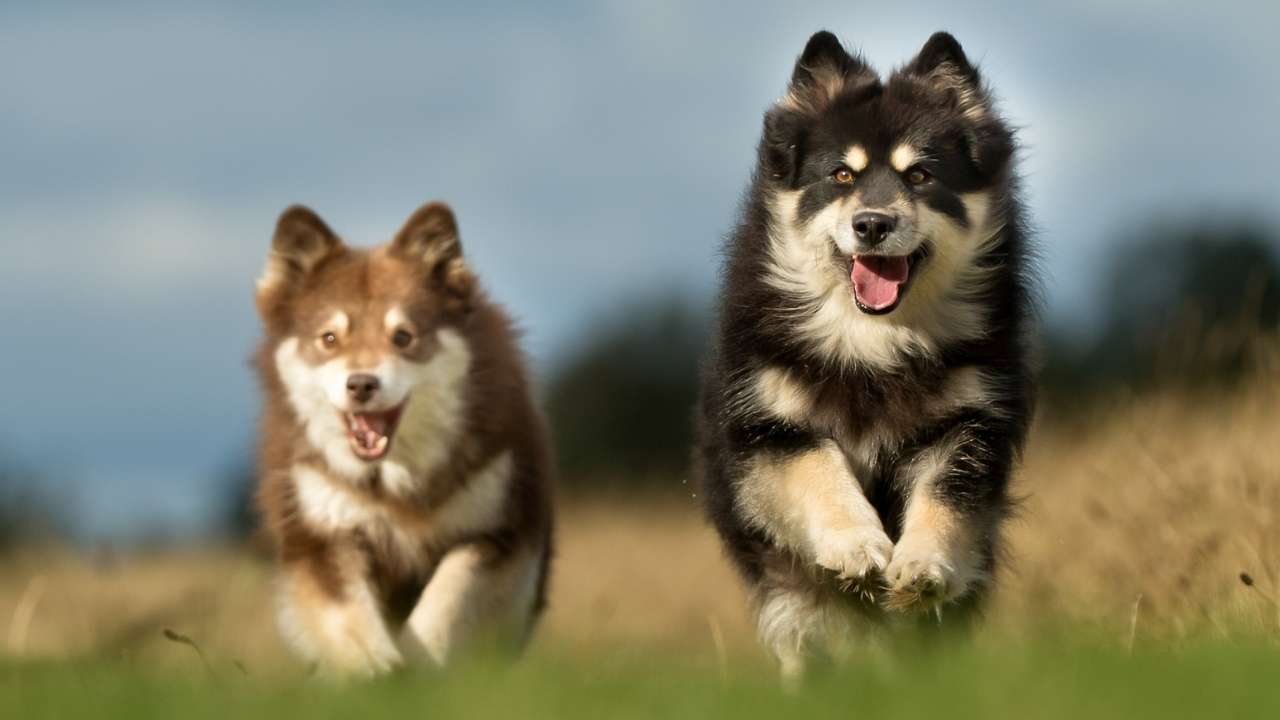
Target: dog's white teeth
(381, 444)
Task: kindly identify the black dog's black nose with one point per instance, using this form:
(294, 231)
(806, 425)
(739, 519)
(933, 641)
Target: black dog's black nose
(362, 386)
(872, 227)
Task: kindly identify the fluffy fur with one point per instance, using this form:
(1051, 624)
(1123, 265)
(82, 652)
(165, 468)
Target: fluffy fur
(404, 470)
(856, 456)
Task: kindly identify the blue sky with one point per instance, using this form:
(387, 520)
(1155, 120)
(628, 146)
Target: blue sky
(593, 152)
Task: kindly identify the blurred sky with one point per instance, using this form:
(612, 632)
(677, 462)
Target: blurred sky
(594, 153)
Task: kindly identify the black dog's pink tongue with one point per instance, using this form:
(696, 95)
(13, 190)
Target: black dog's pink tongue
(876, 279)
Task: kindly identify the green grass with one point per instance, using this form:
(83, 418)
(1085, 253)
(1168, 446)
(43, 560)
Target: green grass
(1044, 680)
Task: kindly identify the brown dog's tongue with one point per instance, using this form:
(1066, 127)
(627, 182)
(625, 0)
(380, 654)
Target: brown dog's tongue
(372, 422)
(877, 280)
(370, 427)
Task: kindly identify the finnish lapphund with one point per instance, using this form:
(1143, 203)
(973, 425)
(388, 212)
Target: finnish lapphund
(870, 385)
(405, 474)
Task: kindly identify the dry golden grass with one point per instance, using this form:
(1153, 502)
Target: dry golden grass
(1161, 502)
(1167, 498)
(640, 574)
(647, 575)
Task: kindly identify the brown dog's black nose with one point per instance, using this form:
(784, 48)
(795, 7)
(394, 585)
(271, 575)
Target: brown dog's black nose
(362, 386)
(872, 227)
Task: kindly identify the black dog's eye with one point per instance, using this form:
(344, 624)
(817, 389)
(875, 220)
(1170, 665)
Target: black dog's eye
(329, 339)
(918, 176)
(402, 338)
(843, 176)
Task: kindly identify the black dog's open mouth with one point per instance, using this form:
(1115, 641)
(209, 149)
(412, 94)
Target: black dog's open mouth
(370, 433)
(881, 281)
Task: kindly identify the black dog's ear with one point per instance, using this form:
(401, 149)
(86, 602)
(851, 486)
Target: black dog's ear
(430, 236)
(991, 145)
(823, 70)
(781, 147)
(942, 65)
(822, 73)
(301, 242)
(943, 49)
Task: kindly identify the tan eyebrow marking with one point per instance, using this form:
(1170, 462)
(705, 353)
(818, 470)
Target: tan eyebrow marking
(903, 157)
(856, 158)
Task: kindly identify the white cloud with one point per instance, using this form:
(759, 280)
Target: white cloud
(132, 245)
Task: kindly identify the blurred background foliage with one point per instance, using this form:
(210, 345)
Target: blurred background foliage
(621, 404)
(28, 511)
(1186, 306)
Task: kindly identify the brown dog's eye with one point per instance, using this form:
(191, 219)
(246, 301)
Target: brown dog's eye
(918, 176)
(328, 339)
(843, 176)
(402, 338)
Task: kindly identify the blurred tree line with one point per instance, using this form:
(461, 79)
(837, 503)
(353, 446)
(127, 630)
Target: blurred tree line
(1182, 306)
(621, 404)
(28, 506)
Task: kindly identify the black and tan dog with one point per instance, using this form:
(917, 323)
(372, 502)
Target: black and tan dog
(870, 386)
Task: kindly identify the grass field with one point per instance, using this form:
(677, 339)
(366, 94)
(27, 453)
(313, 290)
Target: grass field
(1042, 681)
(1124, 597)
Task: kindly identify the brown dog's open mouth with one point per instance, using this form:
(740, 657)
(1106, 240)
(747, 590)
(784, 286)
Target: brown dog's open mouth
(370, 433)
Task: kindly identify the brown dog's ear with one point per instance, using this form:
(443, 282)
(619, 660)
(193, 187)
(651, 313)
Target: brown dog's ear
(430, 237)
(302, 241)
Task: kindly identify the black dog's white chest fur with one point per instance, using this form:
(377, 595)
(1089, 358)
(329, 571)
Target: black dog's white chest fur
(874, 417)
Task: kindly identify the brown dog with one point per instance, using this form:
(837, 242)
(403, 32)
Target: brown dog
(404, 470)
